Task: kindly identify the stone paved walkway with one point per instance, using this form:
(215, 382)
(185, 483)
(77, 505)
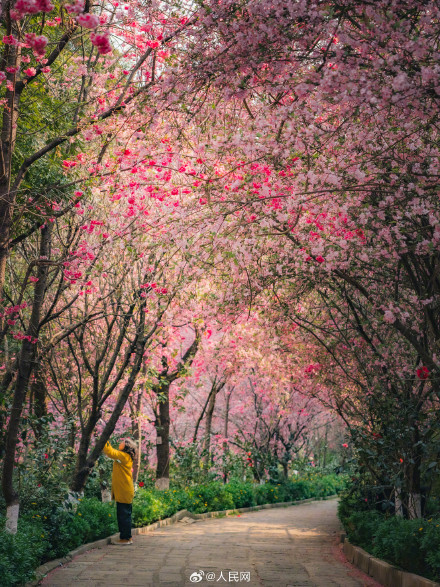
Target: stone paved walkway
(294, 546)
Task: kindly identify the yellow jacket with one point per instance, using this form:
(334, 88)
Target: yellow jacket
(122, 478)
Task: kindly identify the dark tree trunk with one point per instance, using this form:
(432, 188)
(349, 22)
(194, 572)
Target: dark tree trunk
(216, 387)
(137, 435)
(82, 466)
(25, 365)
(162, 422)
(414, 481)
(163, 439)
(85, 460)
(8, 136)
(39, 394)
(225, 434)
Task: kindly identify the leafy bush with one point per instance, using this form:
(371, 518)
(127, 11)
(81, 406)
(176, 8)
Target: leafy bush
(430, 542)
(398, 541)
(17, 559)
(360, 527)
(243, 494)
(413, 545)
(149, 507)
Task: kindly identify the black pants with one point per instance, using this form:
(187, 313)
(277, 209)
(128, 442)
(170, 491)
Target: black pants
(123, 511)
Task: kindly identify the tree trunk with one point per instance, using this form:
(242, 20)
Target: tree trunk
(25, 365)
(225, 434)
(162, 422)
(199, 420)
(163, 440)
(414, 484)
(137, 436)
(106, 494)
(208, 424)
(38, 391)
(8, 137)
(86, 461)
(82, 466)
(325, 446)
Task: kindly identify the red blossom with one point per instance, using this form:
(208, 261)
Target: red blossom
(423, 373)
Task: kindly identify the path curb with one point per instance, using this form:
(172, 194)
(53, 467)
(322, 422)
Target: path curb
(386, 574)
(43, 570)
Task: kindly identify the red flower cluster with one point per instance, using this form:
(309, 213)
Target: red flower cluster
(423, 373)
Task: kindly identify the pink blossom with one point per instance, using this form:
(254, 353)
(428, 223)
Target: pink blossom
(38, 44)
(44, 5)
(75, 8)
(23, 7)
(30, 71)
(101, 42)
(10, 40)
(389, 317)
(88, 21)
(2, 76)
(68, 164)
(26, 7)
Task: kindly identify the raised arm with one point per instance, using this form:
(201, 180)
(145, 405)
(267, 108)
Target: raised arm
(116, 455)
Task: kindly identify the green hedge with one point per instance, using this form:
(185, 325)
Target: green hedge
(413, 545)
(49, 531)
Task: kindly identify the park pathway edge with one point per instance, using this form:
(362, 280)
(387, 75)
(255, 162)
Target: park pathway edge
(44, 569)
(384, 573)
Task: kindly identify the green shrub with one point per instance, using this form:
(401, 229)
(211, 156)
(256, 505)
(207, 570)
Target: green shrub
(242, 494)
(430, 542)
(361, 526)
(413, 545)
(148, 507)
(397, 540)
(20, 554)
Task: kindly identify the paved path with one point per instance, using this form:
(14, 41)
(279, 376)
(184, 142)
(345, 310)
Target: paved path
(294, 546)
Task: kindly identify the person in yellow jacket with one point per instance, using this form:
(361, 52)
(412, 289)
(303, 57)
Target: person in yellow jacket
(122, 486)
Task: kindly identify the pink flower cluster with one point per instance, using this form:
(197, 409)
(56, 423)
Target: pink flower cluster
(161, 290)
(2, 76)
(9, 40)
(68, 164)
(37, 44)
(101, 42)
(312, 368)
(21, 336)
(23, 7)
(88, 21)
(75, 8)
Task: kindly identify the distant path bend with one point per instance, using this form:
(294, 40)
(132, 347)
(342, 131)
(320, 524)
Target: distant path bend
(282, 547)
